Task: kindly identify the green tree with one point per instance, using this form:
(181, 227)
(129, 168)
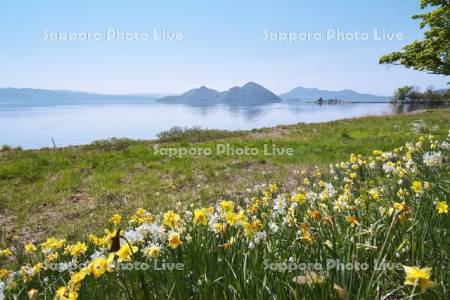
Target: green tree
(432, 53)
(402, 94)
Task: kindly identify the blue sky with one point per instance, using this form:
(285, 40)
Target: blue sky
(223, 45)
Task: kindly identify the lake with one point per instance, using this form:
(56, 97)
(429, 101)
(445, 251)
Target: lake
(34, 127)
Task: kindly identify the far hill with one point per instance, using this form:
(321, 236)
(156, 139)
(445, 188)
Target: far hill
(249, 94)
(201, 95)
(312, 94)
(13, 97)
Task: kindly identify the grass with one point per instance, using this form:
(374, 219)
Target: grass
(58, 191)
(369, 227)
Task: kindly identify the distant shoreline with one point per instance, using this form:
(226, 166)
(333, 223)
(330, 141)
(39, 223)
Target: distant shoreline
(55, 141)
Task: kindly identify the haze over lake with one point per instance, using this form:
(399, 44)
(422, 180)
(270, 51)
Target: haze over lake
(34, 127)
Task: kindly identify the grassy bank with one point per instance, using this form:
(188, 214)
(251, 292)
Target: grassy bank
(73, 190)
(369, 227)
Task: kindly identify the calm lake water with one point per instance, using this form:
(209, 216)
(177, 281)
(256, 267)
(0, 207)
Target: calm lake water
(71, 125)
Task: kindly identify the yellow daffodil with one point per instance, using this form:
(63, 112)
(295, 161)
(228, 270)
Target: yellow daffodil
(200, 216)
(125, 252)
(374, 194)
(77, 249)
(52, 244)
(400, 207)
(52, 257)
(73, 295)
(106, 241)
(174, 240)
(251, 228)
(4, 274)
(219, 228)
(273, 188)
(300, 198)
(5, 252)
(61, 293)
(352, 220)
(30, 248)
(171, 219)
(442, 207)
(152, 251)
(416, 186)
(37, 268)
(417, 276)
(100, 265)
(314, 214)
(116, 219)
(227, 206)
(307, 237)
(95, 240)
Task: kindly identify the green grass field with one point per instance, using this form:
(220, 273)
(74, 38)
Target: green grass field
(70, 191)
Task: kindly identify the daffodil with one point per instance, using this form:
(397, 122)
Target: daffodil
(416, 186)
(152, 251)
(5, 252)
(52, 244)
(174, 240)
(95, 240)
(417, 276)
(400, 207)
(300, 198)
(52, 257)
(227, 206)
(100, 265)
(171, 219)
(273, 188)
(116, 219)
(200, 216)
(352, 220)
(77, 249)
(442, 207)
(73, 295)
(374, 194)
(314, 214)
(4, 274)
(219, 228)
(37, 268)
(231, 218)
(106, 241)
(61, 293)
(33, 294)
(251, 228)
(125, 252)
(30, 248)
(141, 216)
(307, 237)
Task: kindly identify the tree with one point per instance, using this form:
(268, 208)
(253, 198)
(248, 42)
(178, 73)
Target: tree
(402, 94)
(432, 53)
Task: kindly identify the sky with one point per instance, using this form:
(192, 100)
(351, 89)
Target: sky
(218, 44)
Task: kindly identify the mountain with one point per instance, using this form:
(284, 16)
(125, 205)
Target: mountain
(442, 91)
(195, 96)
(311, 94)
(38, 97)
(249, 94)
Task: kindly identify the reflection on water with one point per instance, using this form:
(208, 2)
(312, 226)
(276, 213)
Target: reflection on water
(35, 127)
(406, 108)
